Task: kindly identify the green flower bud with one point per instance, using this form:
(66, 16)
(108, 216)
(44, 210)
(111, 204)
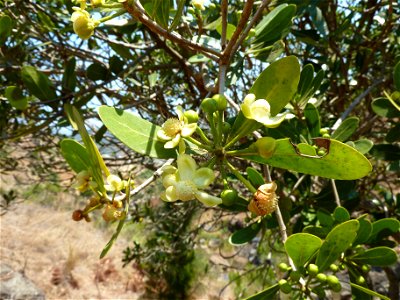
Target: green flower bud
(209, 105)
(321, 152)
(365, 268)
(221, 101)
(83, 24)
(252, 32)
(360, 280)
(229, 197)
(395, 95)
(191, 116)
(332, 280)
(334, 268)
(295, 276)
(312, 270)
(326, 135)
(321, 277)
(285, 286)
(337, 288)
(190, 10)
(198, 4)
(283, 267)
(226, 127)
(265, 146)
(323, 131)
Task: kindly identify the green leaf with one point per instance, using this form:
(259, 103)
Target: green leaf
(69, 76)
(318, 231)
(230, 29)
(378, 256)
(363, 146)
(198, 58)
(341, 214)
(368, 291)
(325, 218)
(301, 247)
(390, 152)
(75, 154)
(346, 129)
(312, 118)
(394, 134)
(37, 83)
(97, 71)
(396, 76)
(306, 79)
(178, 15)
(336, 242)
(266, 294)
(384, 108)
(364, 231)
(138, 134)
(274, 25)
(383, 228)
(278, 83)
(15, 97)
(255, 177)
(5, 28)
(245, 235)
(342, 162)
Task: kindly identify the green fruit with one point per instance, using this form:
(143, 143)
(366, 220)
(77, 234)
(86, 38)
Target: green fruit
(323, 131)
(283, 267)
(221, 101)
(209, 105)
(326, 135)
(360, 280)
(295, 276)
(337, 288)
(265, 146)
(321, 152)
(332, 280)
(226, 128)
(312, 270)
(285, 286)
(334, 268)
(321, 277)
(229, 197)
(365, 268)
(191, 116)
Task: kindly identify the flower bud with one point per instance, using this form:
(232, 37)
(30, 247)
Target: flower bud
(209, 105)
(96, 3)
(77, 215)
(323, 131)
(229, 197)
(334, 283)
(265, 200)
(334, 268)
(83, 24)
(265, 146)
(285, 287)
(221, 101)
(312, 270)
(191, 116)
(283, 267)
(321, 277)
(198, 4)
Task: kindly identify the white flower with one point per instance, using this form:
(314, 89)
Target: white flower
(260, 111)
(187, 182)
(173, 129)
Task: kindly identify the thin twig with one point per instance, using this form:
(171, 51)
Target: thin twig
(335, 193)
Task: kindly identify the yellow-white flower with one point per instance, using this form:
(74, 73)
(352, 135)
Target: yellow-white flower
(260, 111)
(83, 181)
(187, 182)
(115, 184)
(199, 4)
(175, 128)
(83, 24)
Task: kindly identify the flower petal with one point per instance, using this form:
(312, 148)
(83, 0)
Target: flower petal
(275, 121)
(161, 135)
(260, 111)
(188, 129)
(186, 167)
(170, 194)
(173, 143)
(207, 199)
(168, 180)
(203, 177)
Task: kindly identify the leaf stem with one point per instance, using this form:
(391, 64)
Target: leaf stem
(202, 135)
(240, 177)
(197, 143)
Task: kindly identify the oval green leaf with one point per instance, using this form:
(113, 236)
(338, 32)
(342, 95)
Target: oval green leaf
(37, 83)
(384, 108)
(266, 294)
(342, 162)
(346, 129)
(15, 97)
(363, 146)
(312, 118)
(301, 247)
(255, 177)
(75, 154)
(396, 76)
(97, 71)
(341, 214)
(379, 256)
(138, 134)
(383, 228)
(245, 235)
(336, 242)
(364, 231)
(278, 83)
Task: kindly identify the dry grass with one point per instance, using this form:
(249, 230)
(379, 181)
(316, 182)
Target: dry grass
(62, 256)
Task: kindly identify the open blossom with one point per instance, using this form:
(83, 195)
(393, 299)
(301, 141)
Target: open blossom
(83, 24)
(175, 128)
(115, 184)
(187, 182)
(260, 111)
(83, 181)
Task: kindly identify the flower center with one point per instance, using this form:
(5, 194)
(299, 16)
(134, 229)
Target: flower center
(172, 127)
(185, 190)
